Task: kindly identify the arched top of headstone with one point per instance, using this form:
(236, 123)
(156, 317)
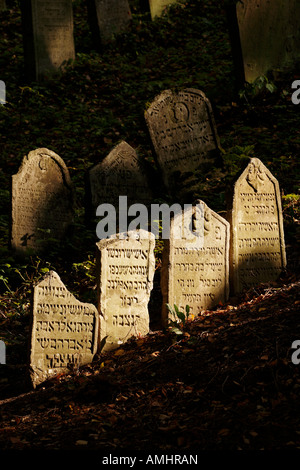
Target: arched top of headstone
(42, 160)
(120, 173)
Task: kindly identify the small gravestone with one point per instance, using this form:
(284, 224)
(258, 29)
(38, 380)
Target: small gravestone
(158, 6)
(257, 236)
(64, 330)
(183, 133)
(121, 173)
(126, 266)
(107, 19)
(195, 269)
(47, 36)
(42, 204)
(269, 35)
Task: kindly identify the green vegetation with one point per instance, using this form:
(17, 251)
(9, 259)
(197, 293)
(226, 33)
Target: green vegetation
(101, 99)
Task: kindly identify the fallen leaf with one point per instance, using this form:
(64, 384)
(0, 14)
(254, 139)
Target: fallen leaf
(119, 352)
(224, 432)
(81, 442)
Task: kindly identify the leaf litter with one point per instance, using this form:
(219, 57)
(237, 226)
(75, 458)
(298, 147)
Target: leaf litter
(228, 383)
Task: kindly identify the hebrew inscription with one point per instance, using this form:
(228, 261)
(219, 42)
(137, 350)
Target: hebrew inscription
(121, 173)
(64, 330)
(108, 18)
(193, 273)
(269, 34)
(125, 280)
(42, 204)
(257, 237)
(48, 35)
(183, 132)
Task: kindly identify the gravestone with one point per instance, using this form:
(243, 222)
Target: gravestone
(125, 267)
(2, 5)
(183, 133)
(269, 35)
(121, 173)
(195, 269)
(257, 251)
(42, 203)
(64, 331)
(157, 6)
(107, 19)
(47, 36)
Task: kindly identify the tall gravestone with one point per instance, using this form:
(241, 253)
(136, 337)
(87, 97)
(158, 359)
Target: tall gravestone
(42, 202)
(121, 173)
(183, 132)
(195, 271)
(64, 331)
(107, 19)
(125, 266)
(47, 36)
(157, 6)
(257, 238)
(269, 35)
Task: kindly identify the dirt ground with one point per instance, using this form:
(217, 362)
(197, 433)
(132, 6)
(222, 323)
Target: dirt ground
(230, 381)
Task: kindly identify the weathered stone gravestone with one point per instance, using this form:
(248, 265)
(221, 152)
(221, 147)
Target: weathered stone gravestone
(121, 173)
(125, 278)
(42, 203)
(157, 6)
(183, 132)
(195, 271)
(47, 36)
(269, 35)
(107, 19)
(64, 330)
(257, 251)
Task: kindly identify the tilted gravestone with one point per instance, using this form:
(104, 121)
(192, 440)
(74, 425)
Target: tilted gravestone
(257, 251)
(64, 331)
(157, 6)
(107, 19)
(183, 132)
(125, 267)
(47, 36)
(195, 269)
(42, 202)
(269, 35)
(121, 173)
